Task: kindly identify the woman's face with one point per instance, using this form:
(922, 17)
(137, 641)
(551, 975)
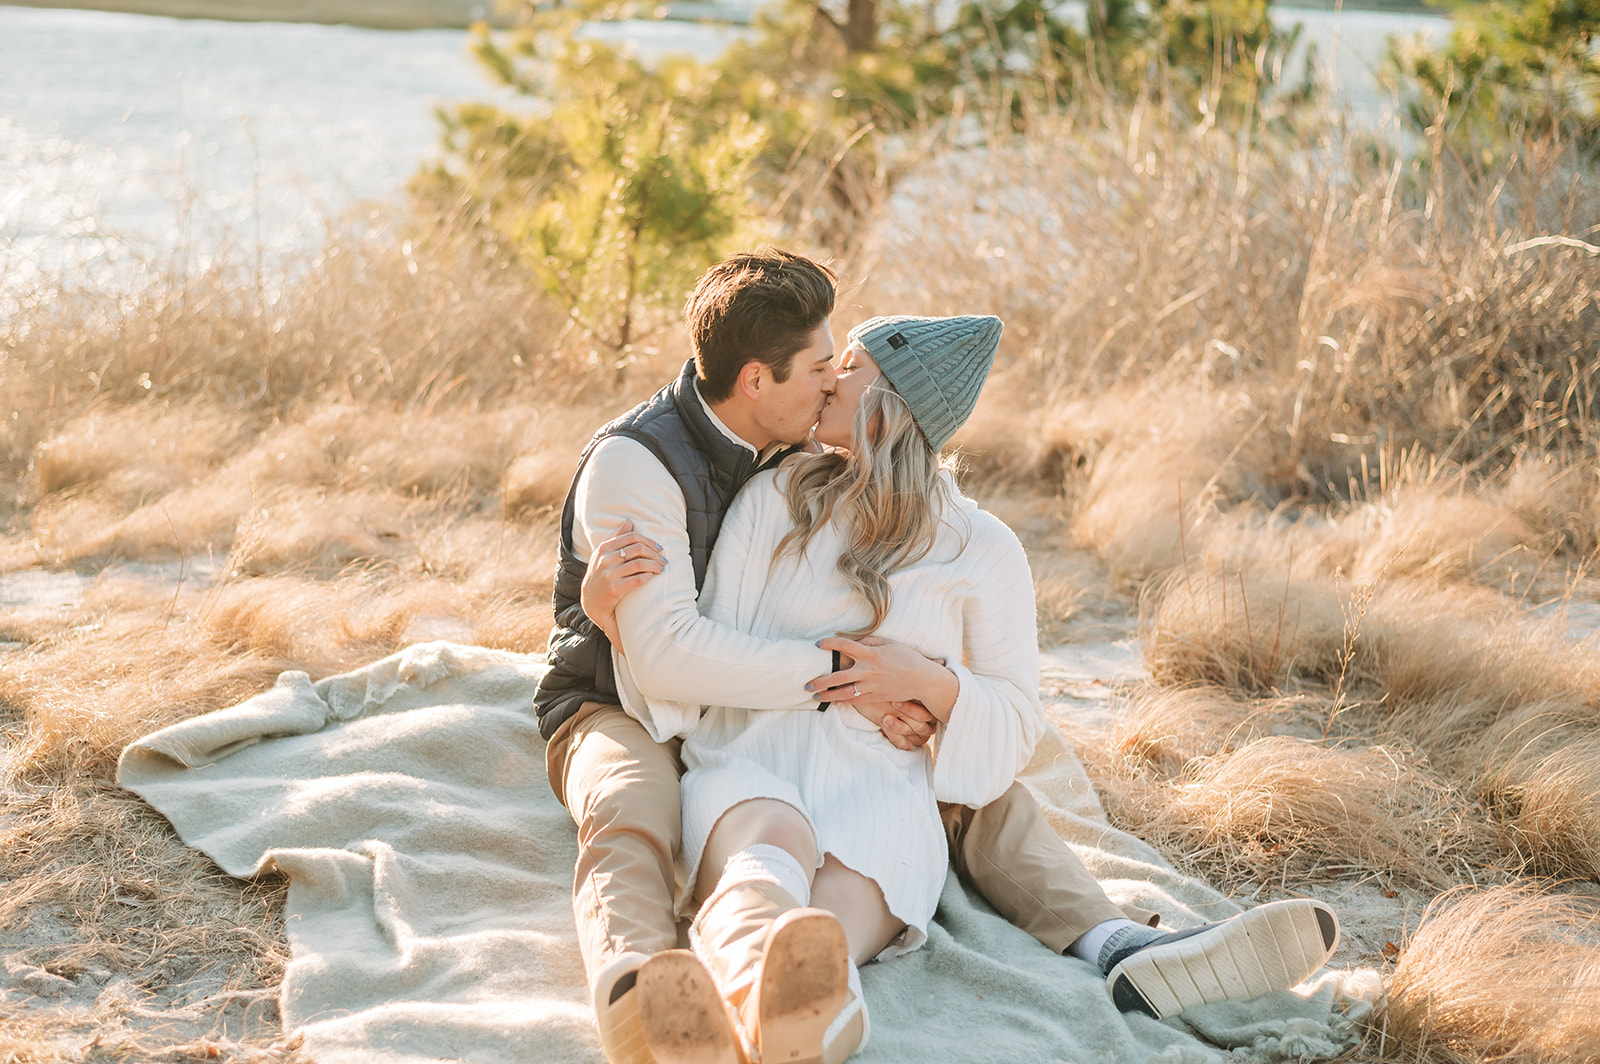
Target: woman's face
(856, 372)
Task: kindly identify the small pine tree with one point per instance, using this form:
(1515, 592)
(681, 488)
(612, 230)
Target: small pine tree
(1510, 67)
(619, 194)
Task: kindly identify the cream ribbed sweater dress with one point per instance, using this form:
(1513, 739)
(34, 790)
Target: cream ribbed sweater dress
(970, 601)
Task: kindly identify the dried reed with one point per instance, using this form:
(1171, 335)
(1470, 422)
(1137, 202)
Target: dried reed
(1502, 706)
(1333, 290)
(1245, 629)
(1506, 974)
(1507, 707)
(1280, 808)
(1167, 728)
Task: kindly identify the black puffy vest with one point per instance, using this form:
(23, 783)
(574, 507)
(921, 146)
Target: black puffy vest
(709, 468)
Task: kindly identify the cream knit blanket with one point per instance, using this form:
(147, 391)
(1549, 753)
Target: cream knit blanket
(429, 912)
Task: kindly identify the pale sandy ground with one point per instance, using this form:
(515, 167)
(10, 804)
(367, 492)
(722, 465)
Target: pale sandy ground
(188, 1015)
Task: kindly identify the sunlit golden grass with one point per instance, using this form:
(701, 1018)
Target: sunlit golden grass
(1244, 791)
(1502, 705)
(1162, 469)
(1507, 974)
(1167, 728)
(386, 308)
(1280, 801)
(138, 655)
(320, 490)
(1246, 629)
(1552, 805)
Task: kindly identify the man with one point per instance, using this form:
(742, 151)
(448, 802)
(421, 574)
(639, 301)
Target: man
(761, 373)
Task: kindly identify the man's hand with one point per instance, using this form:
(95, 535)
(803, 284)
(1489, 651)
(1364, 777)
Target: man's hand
(879, 670)
(908, 725)
(618, 566)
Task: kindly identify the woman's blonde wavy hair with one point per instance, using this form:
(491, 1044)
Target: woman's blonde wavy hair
(886, 492)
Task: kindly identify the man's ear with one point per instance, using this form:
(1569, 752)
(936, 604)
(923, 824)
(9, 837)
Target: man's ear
(752, 378)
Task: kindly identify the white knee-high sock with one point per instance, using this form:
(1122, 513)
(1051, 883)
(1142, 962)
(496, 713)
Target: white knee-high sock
(763, 863)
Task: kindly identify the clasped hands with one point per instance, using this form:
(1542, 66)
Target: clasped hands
(906, 694)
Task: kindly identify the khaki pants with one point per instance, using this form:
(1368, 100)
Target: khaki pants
(621, 788)
(1020, 865)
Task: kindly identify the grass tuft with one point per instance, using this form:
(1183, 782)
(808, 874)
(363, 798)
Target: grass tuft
(1506, 974)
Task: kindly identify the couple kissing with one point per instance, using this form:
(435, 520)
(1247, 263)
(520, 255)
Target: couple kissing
(793, 677)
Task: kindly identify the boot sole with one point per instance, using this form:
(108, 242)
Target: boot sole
(617, 1016)
(681, 1014)
(804, 984)
(1271, 947)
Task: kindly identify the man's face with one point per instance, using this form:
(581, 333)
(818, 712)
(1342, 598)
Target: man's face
(786, 410)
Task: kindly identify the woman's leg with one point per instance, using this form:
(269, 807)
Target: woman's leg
(758, 822)
(869, 926)
(781, 966)
(858, 903)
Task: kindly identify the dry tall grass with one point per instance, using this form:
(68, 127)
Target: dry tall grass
(1507, 974)
(1502, 705)
(1511, 709)
(1197, 319)
(1247, 629)
(1249, 792)
(1365, 302)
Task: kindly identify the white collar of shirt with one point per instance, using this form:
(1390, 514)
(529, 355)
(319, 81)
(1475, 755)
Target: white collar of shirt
(761, 455)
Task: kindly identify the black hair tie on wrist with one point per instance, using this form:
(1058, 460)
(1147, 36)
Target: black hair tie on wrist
(824, 705)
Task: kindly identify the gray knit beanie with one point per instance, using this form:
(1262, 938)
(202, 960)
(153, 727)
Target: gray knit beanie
(938, 365)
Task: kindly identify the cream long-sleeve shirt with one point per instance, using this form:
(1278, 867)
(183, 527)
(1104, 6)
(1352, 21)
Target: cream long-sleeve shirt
(677, 660)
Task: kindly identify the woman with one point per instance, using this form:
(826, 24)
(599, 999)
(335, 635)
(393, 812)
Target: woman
(792, 882)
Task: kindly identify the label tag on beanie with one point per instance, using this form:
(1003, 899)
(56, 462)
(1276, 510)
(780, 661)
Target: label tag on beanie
(897, 341)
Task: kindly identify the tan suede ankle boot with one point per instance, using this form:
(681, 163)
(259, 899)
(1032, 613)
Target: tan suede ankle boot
(663, 1009)
(783, 969)
(681, 1016)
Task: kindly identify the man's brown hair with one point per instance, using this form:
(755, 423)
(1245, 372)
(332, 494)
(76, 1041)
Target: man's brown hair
(760, 305)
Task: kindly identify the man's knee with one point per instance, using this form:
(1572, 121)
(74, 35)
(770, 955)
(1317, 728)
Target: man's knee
(996, 825)
(1017, 806)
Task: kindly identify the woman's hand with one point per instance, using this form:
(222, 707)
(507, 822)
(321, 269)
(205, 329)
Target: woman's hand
(618, 566)
(883, 671)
